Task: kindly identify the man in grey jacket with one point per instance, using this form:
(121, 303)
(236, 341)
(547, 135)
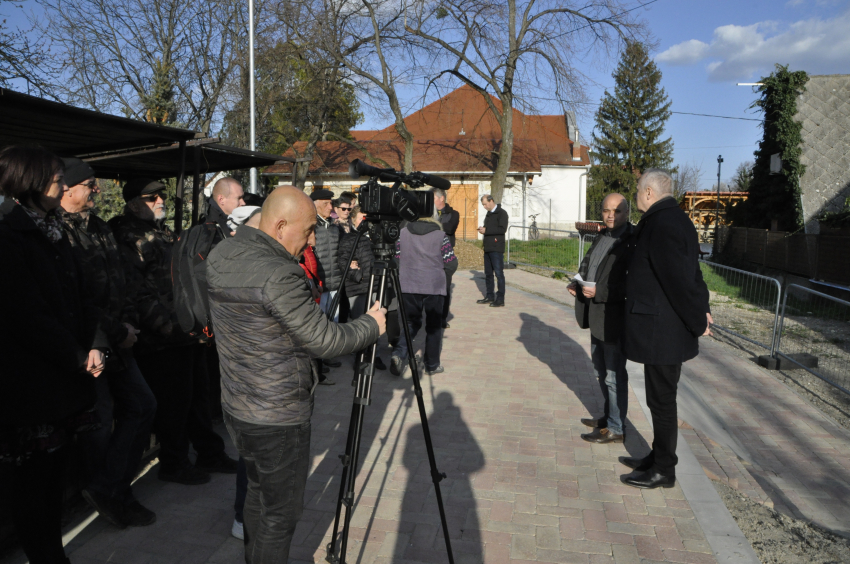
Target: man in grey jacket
(269, 329)
(600, 308)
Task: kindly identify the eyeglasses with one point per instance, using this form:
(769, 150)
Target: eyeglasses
(344, 209)
(153, 197)
(91, 185)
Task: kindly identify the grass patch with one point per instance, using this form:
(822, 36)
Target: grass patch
(746, 293)
(557, 254)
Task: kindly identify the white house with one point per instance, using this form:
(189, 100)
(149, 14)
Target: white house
(458, 138)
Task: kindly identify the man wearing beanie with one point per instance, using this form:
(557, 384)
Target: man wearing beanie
(113, 455)
(173, 363)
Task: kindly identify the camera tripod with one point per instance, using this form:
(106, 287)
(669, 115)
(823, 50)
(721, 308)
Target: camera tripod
(384, 271)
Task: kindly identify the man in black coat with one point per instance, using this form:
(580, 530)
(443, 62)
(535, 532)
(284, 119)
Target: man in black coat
(449, 219)
(666, 312)
(494, 229)
(599, 307)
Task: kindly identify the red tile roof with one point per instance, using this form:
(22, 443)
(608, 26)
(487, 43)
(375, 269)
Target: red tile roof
(439, 146)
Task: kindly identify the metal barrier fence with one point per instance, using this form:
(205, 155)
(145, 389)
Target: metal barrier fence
(745, 304)
(814, 334)
(554, 249)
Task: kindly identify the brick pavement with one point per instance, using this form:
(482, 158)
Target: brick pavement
(765, 441)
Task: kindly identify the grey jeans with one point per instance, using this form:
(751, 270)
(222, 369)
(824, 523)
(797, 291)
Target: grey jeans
(610, 366)
(277, 459)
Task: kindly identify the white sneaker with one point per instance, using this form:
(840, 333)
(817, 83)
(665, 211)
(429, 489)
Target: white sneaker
(238, 530)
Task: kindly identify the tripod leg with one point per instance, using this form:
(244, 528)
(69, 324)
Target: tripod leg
(436, 475)
(362, 398)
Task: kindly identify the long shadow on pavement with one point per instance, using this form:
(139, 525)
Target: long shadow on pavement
(548, 344)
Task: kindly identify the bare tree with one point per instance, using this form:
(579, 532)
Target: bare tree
(689, 178)
(20, 59)
(509, 51)
(368, 39)
(114, 51)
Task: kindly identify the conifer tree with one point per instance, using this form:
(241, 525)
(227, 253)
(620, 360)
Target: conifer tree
(629, 127)
(159, 100)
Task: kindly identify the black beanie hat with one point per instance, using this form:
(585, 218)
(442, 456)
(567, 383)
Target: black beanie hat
(140, 187)
(76, 171)
(321, 194)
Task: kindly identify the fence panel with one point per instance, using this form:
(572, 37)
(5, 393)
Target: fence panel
(814, 334)
(553, 250)
(743, 304)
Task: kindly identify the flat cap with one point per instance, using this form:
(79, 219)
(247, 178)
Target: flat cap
(141, 186)
(321, 194)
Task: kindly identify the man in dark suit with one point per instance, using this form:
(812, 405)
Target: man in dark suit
(494, 229)
(599, 307)
(666, 312)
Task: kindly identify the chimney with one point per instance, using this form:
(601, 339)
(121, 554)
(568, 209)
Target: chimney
(576, 148)
(571, 125)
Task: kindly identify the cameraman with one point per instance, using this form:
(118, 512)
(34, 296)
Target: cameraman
(424, 256)
(269, 328)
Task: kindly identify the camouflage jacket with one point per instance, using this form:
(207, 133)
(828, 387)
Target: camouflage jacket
(146, 248)
(96, 250)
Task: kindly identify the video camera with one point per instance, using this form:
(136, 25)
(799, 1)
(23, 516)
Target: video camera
(393, 203)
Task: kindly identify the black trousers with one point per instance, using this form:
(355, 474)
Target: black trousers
(662, 381)
(178, 378)
(414, 305)
(447, 302)
(36, 505)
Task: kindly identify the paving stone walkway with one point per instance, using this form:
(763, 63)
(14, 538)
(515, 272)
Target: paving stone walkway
(522, 486)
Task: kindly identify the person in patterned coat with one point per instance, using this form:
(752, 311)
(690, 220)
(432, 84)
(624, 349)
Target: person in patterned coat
(112, 455)
(173, 363)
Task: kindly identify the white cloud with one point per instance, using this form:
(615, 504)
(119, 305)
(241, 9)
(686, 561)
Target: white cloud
(743, 52)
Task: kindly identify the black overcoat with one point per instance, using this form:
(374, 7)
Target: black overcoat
(666, 297)
(48, 325)
(603, 313)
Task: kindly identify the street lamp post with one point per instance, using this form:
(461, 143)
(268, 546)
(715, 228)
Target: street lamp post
(253, 186)
(717, 211)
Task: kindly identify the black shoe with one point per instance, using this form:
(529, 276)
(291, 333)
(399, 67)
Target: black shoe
(397, 366)
(188, 476)
(602, 436)
(446, 325)
(484, 301)
(109, 508)
(332, 363)
(438, 370)
(639, 464)
(498, 303)
(327, 382)
(648, 480)
(379, 364)
(221, 464)
(138, 515)
(593, 423)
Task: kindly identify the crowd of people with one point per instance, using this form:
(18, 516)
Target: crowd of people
(116, 330)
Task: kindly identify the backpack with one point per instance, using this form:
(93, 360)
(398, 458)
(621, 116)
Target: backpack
(189, 278)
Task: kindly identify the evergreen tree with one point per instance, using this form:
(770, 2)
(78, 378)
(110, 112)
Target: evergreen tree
(629, 127)
(159, 100)
(776, 196)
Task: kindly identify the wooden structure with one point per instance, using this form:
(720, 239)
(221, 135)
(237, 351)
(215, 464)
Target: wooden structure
(702, 207)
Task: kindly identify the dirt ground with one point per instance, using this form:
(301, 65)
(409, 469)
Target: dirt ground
(779, 539)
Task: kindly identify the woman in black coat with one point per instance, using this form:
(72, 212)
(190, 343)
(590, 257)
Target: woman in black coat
(47, 346)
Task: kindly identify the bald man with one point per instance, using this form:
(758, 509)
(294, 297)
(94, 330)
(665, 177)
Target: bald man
(227, 195)
(269, 329)
(599, 307)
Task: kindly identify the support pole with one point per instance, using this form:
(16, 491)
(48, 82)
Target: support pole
(717, 211)
(196, 186)
(178, 197)
(524, 183)
(252, 188)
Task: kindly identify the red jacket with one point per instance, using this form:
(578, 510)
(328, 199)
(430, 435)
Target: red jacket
(311, 267)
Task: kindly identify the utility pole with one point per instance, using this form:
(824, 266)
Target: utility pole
(253, 186)
(717, 211)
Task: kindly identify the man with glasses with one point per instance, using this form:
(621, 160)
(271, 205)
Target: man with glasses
(342, 208)
(113, 455)
(173, 363)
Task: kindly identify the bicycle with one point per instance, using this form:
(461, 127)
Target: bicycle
(533, 232)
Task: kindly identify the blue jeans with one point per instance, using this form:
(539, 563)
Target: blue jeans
(494, 264)
(277, 459)
(610, 366)
(113, 455)
(414, 304)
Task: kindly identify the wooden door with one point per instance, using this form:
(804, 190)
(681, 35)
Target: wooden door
(464, 199)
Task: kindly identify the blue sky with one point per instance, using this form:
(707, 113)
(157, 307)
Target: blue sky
(704, 48)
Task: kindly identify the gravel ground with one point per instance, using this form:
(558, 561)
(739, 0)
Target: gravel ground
(779, 539)
(468, 256)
